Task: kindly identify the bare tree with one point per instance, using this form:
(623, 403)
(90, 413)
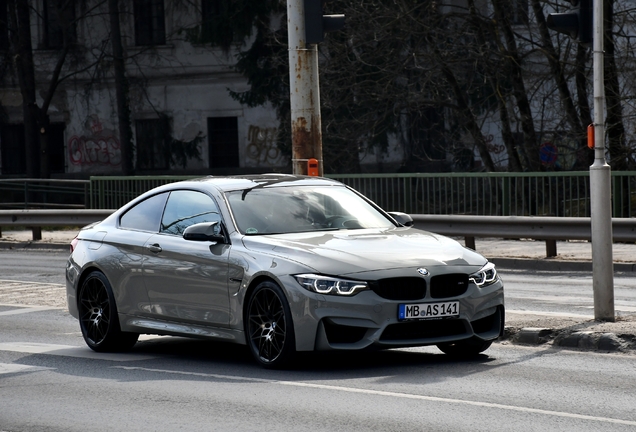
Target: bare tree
(52, 71)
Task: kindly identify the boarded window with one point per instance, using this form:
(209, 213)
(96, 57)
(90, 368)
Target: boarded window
(13, 149)
(150, 28)
(223, 141)
(151, 136)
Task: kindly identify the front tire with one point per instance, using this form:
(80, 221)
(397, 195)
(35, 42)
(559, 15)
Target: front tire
(269, 328)
(98, 316)
(465, 348)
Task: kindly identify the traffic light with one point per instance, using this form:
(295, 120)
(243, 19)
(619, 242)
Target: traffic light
(576, 22)
(317, 24)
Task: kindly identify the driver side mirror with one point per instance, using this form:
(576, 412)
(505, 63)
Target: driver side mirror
(402, 218)
(206, 231)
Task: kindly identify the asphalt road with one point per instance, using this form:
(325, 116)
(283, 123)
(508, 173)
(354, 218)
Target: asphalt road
(42, 265)
(50, 381)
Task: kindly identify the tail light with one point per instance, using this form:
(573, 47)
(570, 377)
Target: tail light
(74, 243)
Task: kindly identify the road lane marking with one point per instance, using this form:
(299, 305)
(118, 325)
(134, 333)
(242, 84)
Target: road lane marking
(392, 394)
(16, 284)
(25, 309)
(69, 351)
(10, 368)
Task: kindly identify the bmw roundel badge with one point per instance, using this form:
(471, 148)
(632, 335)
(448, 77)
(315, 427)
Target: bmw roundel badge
(422, 271)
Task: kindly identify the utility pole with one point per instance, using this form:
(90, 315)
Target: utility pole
(584, 23)
(600, 189)
(306, 129)
(306, 26)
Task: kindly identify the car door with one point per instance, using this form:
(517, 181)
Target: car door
(125, 248)
(187, 281)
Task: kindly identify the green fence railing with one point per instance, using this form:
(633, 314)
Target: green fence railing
(494, 194)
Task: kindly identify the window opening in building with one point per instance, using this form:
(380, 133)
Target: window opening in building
(58, 18)
(151, 136)
(4, 29)
(223, 142)
(215, 25)
(150, 27)
(56, 148)
(12, 147)
(520, 12)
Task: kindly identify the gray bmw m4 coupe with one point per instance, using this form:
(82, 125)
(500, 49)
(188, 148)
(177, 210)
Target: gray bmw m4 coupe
(281, 263)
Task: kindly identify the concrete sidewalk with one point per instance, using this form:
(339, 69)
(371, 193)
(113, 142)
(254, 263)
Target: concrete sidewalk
(557, 330)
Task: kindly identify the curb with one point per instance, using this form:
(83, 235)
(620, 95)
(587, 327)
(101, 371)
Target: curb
(580, 340)
(33, 245)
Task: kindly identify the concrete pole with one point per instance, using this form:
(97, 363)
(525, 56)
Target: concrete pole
(600, 188)
(304, 92)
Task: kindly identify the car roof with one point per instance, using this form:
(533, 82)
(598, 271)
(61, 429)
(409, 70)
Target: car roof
(232, 183)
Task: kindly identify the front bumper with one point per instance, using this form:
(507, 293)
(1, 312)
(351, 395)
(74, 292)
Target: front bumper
(367, 320)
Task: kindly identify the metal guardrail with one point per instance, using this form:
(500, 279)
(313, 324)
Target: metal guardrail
(36, 219)
(549, 229)
(43, 193)
(52, 218)
(562, 194)
(516, 227)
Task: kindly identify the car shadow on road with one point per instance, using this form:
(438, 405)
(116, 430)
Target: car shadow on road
(427, 364)
(183, 359)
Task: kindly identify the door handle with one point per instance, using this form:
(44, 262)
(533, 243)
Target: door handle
(154, 248)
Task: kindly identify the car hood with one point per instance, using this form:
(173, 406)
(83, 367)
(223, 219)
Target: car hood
(352, 251)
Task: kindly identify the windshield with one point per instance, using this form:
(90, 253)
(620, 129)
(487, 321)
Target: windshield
(301, 209)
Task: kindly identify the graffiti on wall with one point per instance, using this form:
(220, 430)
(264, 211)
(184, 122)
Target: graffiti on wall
(94, 151)
(99, 148)
(262, 147)
(492, 146)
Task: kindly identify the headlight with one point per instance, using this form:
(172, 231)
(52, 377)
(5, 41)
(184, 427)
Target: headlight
(330, 285)
(487, 275)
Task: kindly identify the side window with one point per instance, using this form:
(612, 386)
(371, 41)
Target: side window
(146, 215)
(187, 208)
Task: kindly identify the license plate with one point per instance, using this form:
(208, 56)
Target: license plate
(428, 310)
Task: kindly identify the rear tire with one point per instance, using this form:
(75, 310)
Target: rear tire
(269, 329)
(465, 348)
(98, 317)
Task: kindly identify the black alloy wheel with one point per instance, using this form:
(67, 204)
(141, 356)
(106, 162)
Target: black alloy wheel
(268, 327)
(98, 316)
